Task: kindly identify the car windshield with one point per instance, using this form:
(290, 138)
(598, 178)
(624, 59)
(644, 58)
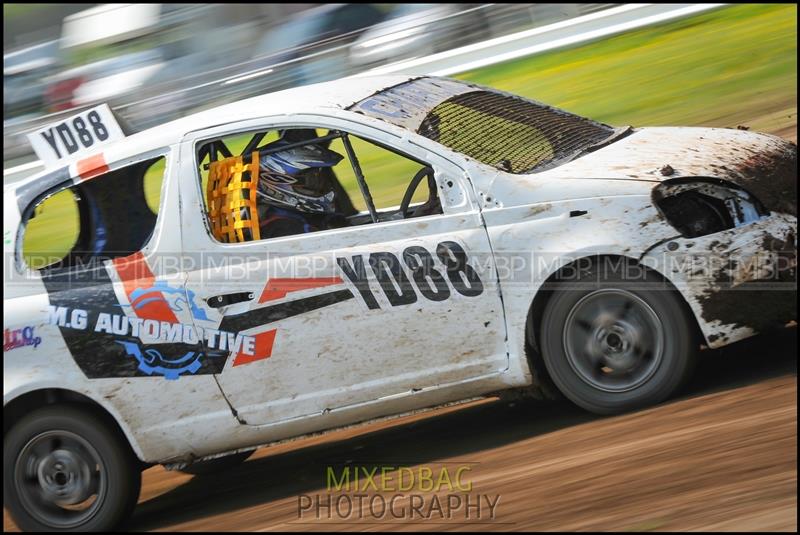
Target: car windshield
(499, 129)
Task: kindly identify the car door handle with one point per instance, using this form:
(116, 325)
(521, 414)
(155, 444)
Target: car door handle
(219, 301)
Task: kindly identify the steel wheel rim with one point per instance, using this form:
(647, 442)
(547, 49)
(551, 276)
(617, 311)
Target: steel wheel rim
(614, 340)
(60, 479)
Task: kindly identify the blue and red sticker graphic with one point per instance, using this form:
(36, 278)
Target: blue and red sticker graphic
(16, 338)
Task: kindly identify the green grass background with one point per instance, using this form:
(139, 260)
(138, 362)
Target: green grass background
(730, 66)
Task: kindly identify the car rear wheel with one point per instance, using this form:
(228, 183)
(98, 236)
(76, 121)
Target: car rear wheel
(612, 343)
(64, 468)
(220, 464)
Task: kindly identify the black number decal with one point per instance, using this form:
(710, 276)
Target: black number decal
(463, 278)
(428, 279)
(358, 276)
(83, 134)
(67, 139)
(430, 282)
(100, 130)
(386, 267)
(50, 137)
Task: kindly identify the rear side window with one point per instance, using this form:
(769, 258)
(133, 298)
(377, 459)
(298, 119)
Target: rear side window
(52, 231)
(108, 216)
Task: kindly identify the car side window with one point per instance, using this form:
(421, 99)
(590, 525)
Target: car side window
(108, 216)
(292, 181)
(386, 173)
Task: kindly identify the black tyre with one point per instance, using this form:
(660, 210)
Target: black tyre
(67, 469)
(613, 343)
(217, 465)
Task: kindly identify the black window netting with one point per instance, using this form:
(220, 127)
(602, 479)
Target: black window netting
(510, 133)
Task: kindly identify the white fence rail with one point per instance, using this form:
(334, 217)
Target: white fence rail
(560, 34)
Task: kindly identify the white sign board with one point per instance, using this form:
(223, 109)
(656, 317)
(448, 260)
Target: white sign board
(109, 23)
(84, 132)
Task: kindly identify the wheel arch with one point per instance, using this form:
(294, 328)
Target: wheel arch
(541, 378)
(29, 401)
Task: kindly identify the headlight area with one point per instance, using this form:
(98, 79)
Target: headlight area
(702, 206)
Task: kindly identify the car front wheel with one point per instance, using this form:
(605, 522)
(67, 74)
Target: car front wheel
(64, 468)
(613, 343)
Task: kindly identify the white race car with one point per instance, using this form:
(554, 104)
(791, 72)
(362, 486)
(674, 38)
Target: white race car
(471, 242)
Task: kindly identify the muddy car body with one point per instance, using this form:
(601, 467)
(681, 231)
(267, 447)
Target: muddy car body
(552, 251)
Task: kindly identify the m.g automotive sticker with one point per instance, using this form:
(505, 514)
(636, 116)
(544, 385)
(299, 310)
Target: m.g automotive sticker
(169, 336)
(118, 321)
(149, 332)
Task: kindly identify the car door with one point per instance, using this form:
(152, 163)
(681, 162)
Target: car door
(350, 316)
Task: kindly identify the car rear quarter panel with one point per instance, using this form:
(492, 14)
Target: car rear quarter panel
(161, 419)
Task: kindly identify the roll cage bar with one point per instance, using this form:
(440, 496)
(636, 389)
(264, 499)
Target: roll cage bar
(218, 148)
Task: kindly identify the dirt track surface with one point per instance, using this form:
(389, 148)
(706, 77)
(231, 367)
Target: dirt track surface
(723, 456)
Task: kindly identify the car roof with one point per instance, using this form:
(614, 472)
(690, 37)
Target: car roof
(337, 94)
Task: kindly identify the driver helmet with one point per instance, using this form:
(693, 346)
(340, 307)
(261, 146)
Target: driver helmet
(294, 178)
